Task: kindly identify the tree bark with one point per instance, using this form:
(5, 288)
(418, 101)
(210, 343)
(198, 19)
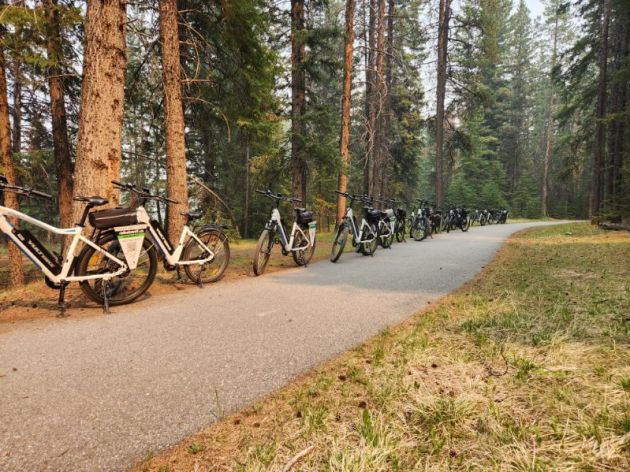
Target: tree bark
(600, 133)
(298, 100)
(176, 174)
(61, 145)
(344, 138)
(16, 269)
(99, 145)
(617, 104)
(443, 27)
(388, 113)
(16, 143)
(550, 124)
(370, 99)
(379, 111)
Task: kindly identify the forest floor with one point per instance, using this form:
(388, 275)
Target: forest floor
(36, 300)
(527, 367)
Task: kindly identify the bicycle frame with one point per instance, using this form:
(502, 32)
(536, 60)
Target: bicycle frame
(173, 256)
(275, 223)
(39, 256)
(358, 234)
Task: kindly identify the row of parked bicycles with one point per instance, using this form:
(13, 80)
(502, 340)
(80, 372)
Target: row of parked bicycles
(382, 227)
(118, 261)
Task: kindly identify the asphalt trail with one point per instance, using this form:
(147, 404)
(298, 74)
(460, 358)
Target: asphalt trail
(101, 393)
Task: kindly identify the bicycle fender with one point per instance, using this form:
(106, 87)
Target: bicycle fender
(213, 226)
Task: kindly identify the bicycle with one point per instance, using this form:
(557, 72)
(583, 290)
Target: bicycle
(400, 223)
(364, 237)
(386, 225)
(203, 253)
(420, 227)
(301, 244)
(118, 279)
(457, 218)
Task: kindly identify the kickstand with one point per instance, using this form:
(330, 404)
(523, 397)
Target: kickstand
(179, 278)
(199, 281)
(105, 285)
(61, 304)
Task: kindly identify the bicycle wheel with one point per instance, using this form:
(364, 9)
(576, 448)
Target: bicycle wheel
(368, 248)
(400, 231)
(465, 224)
(385, 241)
(213, 270)
(262, 252)
(420, 231)
(126, 287)
(303, 256)
(339, 243)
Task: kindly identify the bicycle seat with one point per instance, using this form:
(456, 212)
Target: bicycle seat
(299, 210)
(93, 201)
(193, 214)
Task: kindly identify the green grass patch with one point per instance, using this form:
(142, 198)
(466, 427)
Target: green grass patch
(526, 368)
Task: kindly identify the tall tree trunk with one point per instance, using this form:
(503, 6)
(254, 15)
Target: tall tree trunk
(99, 145)
(17, 105)
(387, 99)
(61, 145)
(344, 137)
(176, 174)
(443, 27)
(550, 123)
(16, 269)
(617, 101)
(370, 99)
(247, 190)
(379, 111)
(298, 100)
(600, 134)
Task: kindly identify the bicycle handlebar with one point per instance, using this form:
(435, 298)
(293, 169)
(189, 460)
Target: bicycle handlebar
(26, 191)
(144, 193)
(278, 196)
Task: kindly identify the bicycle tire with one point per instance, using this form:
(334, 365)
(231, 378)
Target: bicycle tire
(386, 242)
(303, 257)
(262, 252)
(400, 231)
(341, 238)
(223, 248)
(369, 248)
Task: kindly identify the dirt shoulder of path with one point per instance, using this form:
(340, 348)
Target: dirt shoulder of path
(36, 301)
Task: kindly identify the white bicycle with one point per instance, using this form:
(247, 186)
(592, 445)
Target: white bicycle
(116, 273)
(364, 237)
(301, 243)
(204, 254)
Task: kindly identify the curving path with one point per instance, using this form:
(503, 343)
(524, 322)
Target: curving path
(101, 393)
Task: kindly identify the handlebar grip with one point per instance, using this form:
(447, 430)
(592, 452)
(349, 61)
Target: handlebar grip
(118, 184)
(41, 194)
(261, 192)
(175, 202)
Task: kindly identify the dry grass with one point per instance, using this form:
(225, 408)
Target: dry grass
(527, 368)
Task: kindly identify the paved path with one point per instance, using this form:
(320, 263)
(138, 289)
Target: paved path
(100, 393)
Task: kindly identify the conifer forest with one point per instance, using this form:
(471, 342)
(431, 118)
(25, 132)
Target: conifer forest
(482, 103)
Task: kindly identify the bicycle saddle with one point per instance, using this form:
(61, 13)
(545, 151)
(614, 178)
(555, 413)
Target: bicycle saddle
(299, 210)
(193, 214)
(93, 201)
